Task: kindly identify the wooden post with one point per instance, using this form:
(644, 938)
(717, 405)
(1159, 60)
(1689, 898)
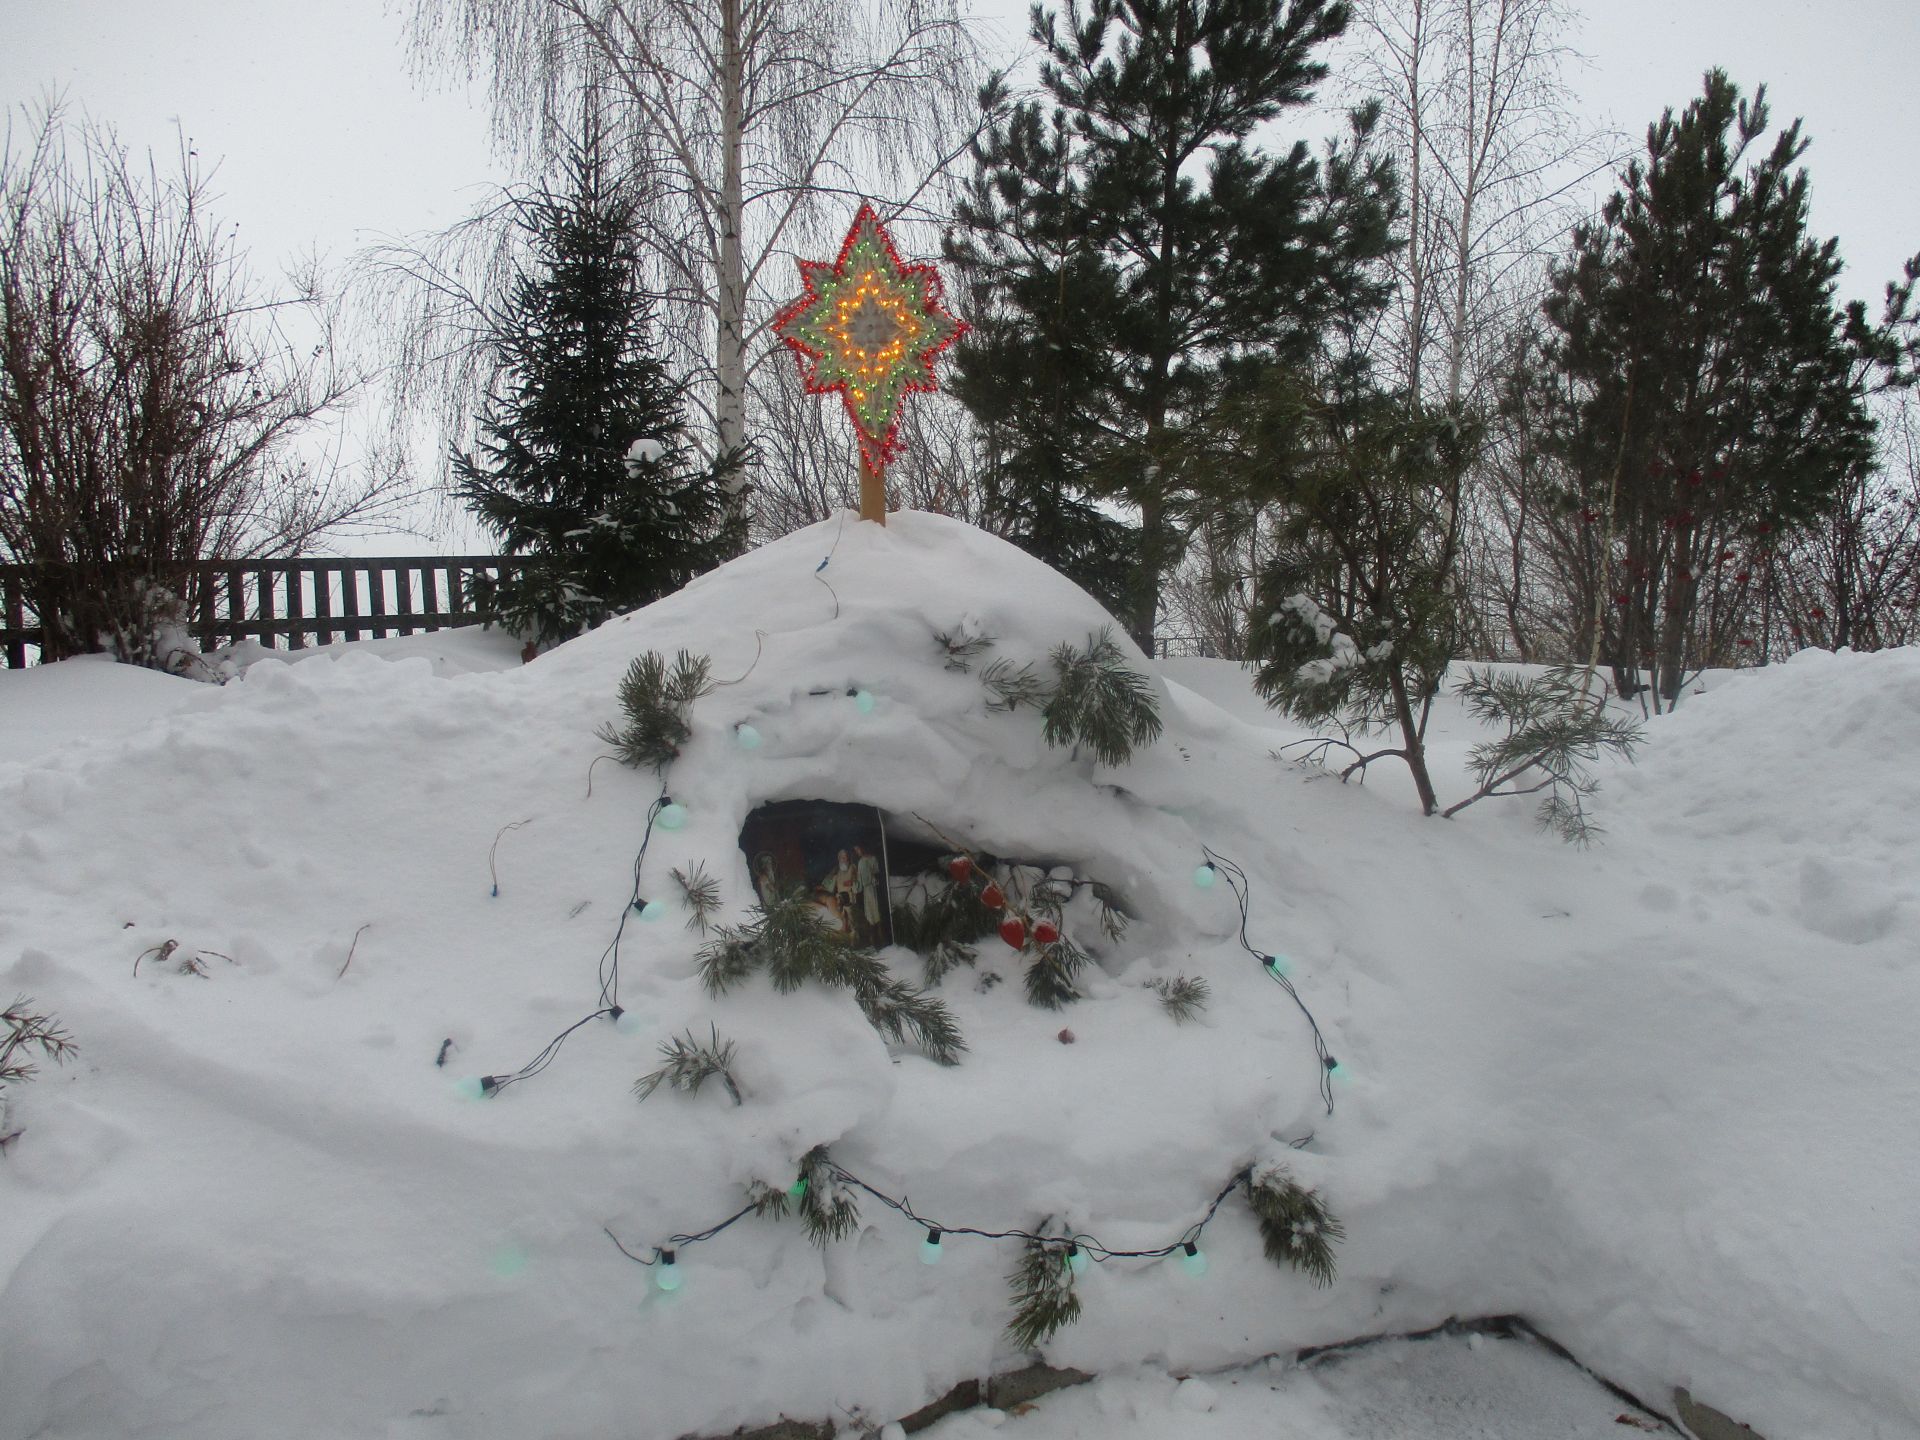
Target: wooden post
(873, 489)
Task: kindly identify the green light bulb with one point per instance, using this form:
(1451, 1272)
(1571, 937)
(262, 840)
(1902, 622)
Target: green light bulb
(863, 701)
(667, 1274)
(672, 816)
(1204, 877)
(746, 736)
(1193, 1259)
(930, 1248)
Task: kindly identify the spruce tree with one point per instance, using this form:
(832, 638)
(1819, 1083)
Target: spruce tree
(1710, 393)
(1129, 236)
(583, 467)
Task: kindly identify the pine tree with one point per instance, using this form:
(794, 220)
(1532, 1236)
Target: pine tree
(1710, 391)
(583, 467)
(1129, 237)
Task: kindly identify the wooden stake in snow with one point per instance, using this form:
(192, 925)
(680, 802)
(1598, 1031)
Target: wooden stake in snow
(869, 326)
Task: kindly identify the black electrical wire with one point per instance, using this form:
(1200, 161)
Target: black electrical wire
(1094, 1249)
(1237, 882)
(609, 969)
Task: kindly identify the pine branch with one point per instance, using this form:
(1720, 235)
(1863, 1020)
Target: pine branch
(1099, 703)
(26, 1031)
(962, 649)
(1051, 972)
(690, 1064)
(829, 1207)
(1296, 1228)
(1044, 1298)
(1183, 996)
(905, 1016)
(656, 702)
(1113, 920)
(701, 894)
(726, 960)
(1012, 685)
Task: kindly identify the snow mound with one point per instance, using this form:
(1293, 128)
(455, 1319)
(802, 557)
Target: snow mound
(1606, 1090)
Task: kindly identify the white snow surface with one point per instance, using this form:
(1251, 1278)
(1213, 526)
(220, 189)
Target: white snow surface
(1659, 1096)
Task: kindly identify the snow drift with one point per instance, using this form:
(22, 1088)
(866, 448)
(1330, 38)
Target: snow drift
(1657, 1096)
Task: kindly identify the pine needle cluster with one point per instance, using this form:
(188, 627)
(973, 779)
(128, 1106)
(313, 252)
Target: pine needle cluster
(826, 1204)
(1044, 1298)
(1099, 703)
(942, 927)
(1051, 974)
(1182, 996)
(961, 649)
(1296, 1227)
(1012, 685)
(701, 894)
(689, 1064)
(23, 1032)
(792, 944)
(1554, 731)
(656, 700)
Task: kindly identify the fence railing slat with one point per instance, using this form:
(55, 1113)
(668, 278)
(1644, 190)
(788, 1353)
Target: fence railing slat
(269, 600)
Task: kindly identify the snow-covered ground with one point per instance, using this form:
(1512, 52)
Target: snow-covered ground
(1658, 1096)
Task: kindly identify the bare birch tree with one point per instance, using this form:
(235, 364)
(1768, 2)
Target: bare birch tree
(747, 120)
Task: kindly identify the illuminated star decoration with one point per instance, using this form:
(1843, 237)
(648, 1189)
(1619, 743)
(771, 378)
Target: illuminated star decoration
(869, 327)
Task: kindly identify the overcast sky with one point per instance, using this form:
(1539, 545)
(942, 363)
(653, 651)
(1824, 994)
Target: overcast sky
(322, 138)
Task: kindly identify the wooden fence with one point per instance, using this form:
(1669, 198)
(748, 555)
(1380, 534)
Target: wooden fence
(296, 603)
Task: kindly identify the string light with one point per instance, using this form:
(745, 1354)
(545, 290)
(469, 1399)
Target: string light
(862, 701)
(1193, 1259)
(746, 737)
(1077, 1261)
(648, 910)
(930, 1248)
(1276, 970)
(1204, 876)
(672, 816)
(667, 1275)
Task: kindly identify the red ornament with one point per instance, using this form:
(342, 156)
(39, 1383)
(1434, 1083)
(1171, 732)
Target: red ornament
(1066, 1037)
(1045, 933)
(993, 897)
(960, 867)
(1014, 932)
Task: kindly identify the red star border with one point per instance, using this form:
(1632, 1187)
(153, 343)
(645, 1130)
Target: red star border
(869, 327)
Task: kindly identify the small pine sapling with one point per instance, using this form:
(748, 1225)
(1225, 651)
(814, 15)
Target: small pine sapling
(656, 700)
(1044, 1298)
(1554, 730)
(700, 892)
(1182, 996)
(689, 1064)
(726, 960)
(1296, 1228)
(1099, 703)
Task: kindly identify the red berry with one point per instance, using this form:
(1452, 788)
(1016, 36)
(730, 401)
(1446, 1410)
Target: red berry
(960, 867)
(1622, 599)
(1686, 576)
(1587, 517)
(1817, 613)
(1747, 644)
(1744, 576)
(993, 897)
(1014, 932)
(1764, 528)
(1045, 933)
(1694, 477)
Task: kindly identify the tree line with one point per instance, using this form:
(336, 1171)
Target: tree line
(1348, 407)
